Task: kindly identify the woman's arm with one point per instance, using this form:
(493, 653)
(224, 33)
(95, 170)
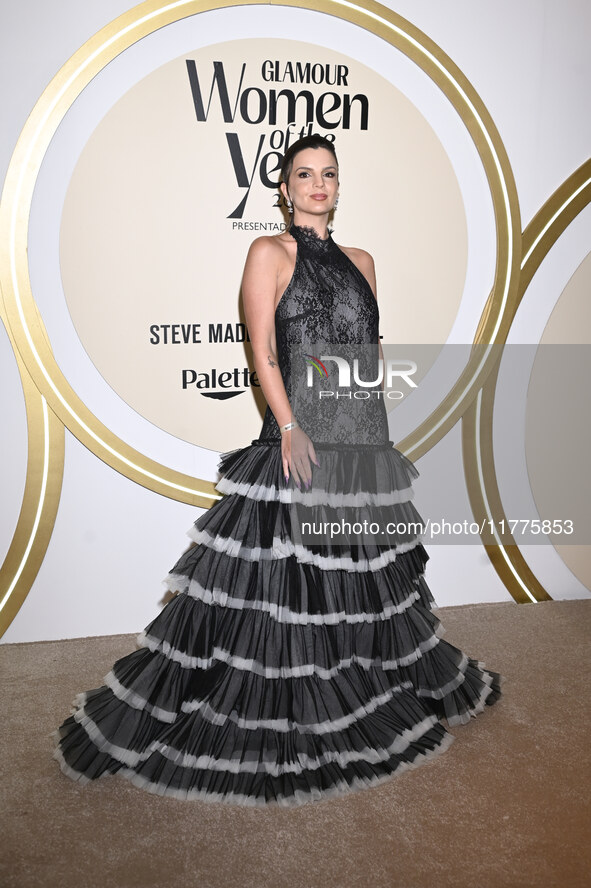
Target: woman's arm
(259, 284)
(259, 288)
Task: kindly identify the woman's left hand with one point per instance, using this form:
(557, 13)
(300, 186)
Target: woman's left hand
(297, 451)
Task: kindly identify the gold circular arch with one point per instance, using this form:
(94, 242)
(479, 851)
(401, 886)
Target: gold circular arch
(23, 318)
(477, 422)
(43, 485)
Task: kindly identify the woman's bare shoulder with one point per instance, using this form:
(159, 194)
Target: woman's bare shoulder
(269, 246)
(266, 266)
(356, 254)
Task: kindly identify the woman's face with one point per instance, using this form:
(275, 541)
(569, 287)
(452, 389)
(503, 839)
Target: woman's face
(313, 183)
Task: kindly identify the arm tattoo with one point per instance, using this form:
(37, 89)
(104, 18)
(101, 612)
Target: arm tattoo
(271, 361)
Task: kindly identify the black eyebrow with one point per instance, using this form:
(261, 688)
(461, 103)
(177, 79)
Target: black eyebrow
(310, 168)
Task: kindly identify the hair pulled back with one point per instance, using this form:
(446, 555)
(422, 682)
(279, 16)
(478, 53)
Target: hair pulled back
(313, 141)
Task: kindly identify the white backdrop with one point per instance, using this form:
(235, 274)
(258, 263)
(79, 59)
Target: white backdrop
(113, 540)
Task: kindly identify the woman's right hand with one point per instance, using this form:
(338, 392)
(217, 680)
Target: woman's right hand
(297, 451)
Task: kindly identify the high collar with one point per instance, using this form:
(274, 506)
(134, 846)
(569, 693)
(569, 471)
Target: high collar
(308, 237)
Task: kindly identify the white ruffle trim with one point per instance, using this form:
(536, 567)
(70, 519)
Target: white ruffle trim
(440, 693)
(372, 755)
(479, 706)
(219, 654)
(68, 771)
(182, 584)
(300, 797)
(314, 496)
(78, 702)
(286, 548)
(136, 702)
(132, 758)
(284, 725)
(119, 753)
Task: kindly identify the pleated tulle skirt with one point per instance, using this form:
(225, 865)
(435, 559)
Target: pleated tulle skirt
(293, 663)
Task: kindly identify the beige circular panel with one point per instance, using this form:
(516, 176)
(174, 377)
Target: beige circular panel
(24, 320)
(177, 180)
(558, 451)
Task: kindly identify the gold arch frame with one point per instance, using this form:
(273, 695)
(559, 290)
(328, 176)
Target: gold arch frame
(27, 327)
(44, 384)
(43, 485)
(477, 423)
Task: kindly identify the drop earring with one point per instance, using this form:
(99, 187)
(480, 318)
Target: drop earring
(336, 203)
(289, 206)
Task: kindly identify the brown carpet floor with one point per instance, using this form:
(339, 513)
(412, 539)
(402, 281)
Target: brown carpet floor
(506, 805)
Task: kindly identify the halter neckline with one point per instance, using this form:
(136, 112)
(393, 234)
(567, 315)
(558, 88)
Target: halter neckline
(309, 237)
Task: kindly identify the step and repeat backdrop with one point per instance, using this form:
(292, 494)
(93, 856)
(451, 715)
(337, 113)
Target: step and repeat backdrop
(146, 168)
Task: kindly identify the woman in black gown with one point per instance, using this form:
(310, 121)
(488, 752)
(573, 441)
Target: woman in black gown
(292, 665)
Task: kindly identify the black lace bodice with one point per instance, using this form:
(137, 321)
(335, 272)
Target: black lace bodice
(328, 309)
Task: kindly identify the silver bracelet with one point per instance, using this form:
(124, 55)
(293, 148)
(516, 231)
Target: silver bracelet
(289, 426)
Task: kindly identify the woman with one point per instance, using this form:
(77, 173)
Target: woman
(292, 664)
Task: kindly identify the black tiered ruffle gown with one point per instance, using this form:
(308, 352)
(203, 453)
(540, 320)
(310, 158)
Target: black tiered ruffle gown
(291, 668)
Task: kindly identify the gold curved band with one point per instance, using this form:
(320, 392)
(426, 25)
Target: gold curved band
(477, 441)
(45, 469)
(43, 381)
(27, 327)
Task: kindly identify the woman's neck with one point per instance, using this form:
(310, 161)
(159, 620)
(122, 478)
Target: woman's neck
(319, 224)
